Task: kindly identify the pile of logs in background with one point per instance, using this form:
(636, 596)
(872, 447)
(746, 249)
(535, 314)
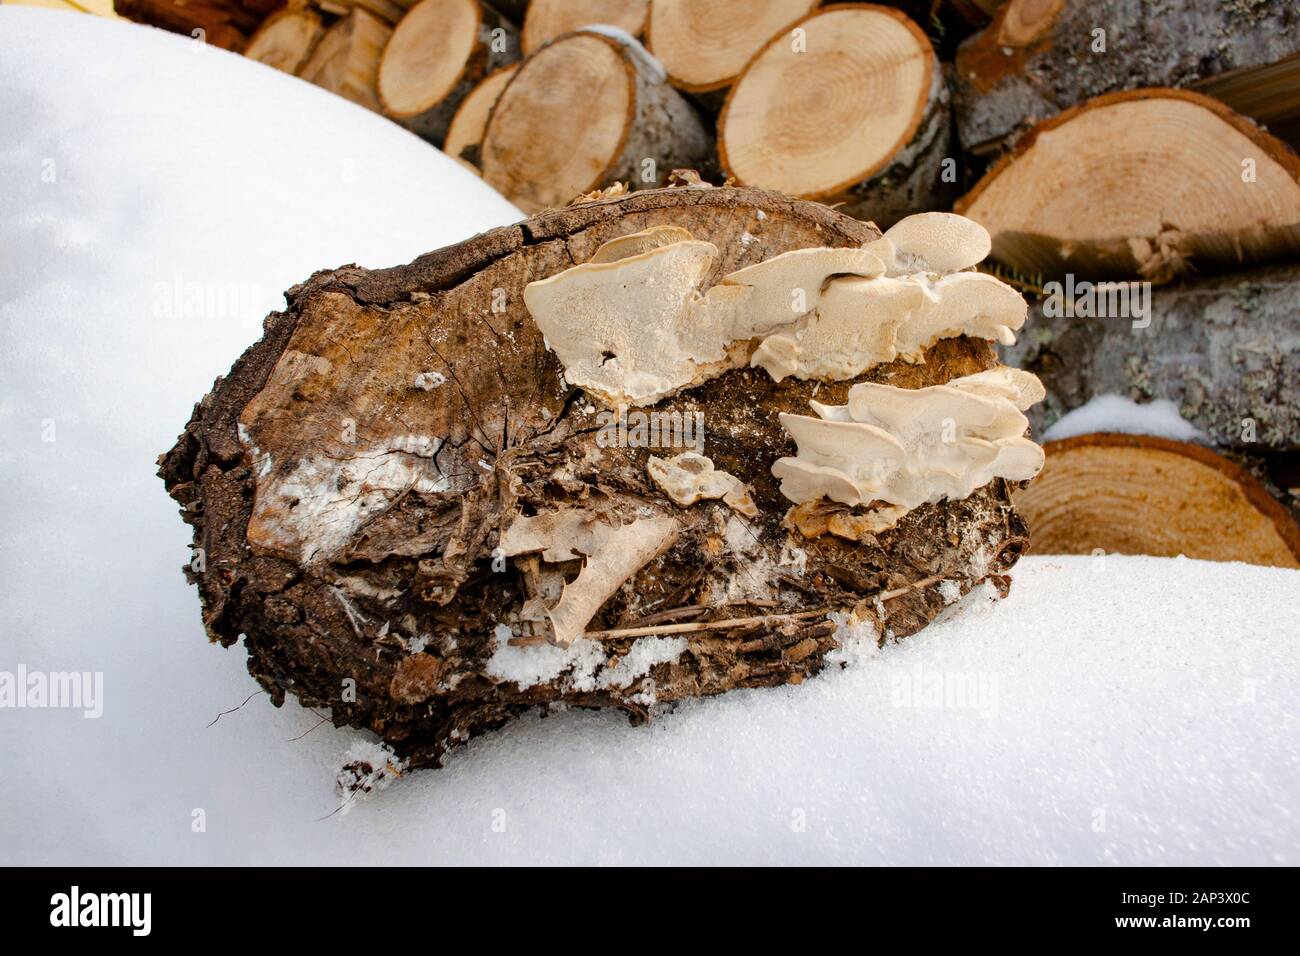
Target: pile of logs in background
(1099, 141)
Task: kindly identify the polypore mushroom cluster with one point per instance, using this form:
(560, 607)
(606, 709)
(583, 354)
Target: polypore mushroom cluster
(899, 448)
(637, 323)
(632, 326)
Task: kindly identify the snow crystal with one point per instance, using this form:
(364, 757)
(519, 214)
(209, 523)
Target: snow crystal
(645, 653)
(530, 664)
(950, 591)
(1115, 413)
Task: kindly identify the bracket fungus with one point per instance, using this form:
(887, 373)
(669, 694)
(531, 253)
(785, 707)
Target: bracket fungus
(897, 448)
(635, 323)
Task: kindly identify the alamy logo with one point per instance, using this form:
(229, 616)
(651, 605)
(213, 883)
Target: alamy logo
(1100, 300)
(71, 690)
(103, 909)
(640, 429)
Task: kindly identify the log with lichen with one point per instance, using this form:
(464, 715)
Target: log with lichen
(427, 501)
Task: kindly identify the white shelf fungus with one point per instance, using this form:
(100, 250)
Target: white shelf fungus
(900, 448)
(632, 325)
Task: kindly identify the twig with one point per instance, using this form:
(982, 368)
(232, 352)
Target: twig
(695, 626)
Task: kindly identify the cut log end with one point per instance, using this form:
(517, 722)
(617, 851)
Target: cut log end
(346, 60)
(584, 112)
(548, 19)
(705, 44)
(286, 39)
(439, 53)
(427, 54)
(465, 132)
(829, 103)
(1148, 184)
(1134, 494)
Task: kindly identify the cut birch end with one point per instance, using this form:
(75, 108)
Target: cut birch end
(705, 44)
(583, 112)
(548, 19)
(1141, 184)
(1135, 494)
(819, 111)
(346, 60)
(285, 40)
(466, 129)
(427, 54)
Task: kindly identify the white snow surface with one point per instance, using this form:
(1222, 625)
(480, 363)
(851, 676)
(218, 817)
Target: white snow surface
(1118, 413)
(1111, 710)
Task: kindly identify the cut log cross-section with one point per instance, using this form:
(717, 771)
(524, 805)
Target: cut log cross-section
(847, 106)
(439, 53)
(705, 44)
(1039, 57)
(372, 555)
(346, 60)
(548, 19)
(1145, 184)
(585, 111)
(1134, 494)
(465, 132)
(286, 39)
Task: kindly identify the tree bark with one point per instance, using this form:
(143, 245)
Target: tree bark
(1039, 57)
(1225, 350)
(393, 622)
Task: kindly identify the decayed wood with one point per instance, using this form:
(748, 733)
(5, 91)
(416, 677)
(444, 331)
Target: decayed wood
(848, 106)
(1134, 494)
(1225, 350)
(465, 132)
(346, 59)
(1144, 184)
(285, 40)
(440, 51)
(371, 379)
(1039, 57)
(549, 139)
(547, 19)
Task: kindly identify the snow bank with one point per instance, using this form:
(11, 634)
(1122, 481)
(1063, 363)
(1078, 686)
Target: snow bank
(1116, 413)
(1115, 710)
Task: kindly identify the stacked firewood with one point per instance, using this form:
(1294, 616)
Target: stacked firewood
(1096, 143)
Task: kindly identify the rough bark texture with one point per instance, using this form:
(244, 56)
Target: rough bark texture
(1225, 350)
(406, 602)
(1008, 78)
